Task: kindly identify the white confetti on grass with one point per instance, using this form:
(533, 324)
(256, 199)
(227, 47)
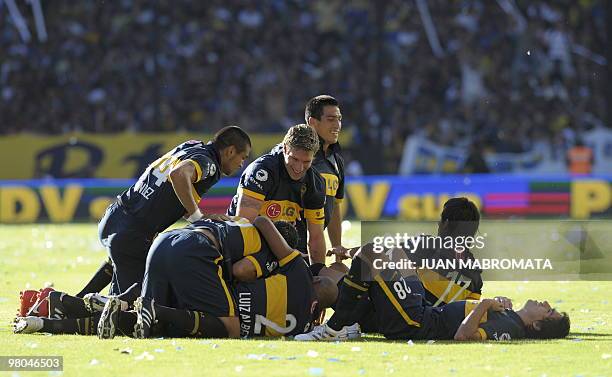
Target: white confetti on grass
(606, 356)
(312, 353)
(238, 368)
(356, 349)
(144, 356)
(94, 362)
(316, 371)
(253, 356)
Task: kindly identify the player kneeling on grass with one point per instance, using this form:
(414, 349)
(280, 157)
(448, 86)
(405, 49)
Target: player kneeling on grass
(401, 313)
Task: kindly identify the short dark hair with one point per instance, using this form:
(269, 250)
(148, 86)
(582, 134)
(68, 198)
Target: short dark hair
(315, 105)
(303, 137)
(550, 328)
(461, 217)
(231, 135)
(289, 233)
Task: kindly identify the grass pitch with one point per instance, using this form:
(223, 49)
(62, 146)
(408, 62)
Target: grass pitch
(66, 255)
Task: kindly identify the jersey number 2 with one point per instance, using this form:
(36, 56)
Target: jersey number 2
(260, 320)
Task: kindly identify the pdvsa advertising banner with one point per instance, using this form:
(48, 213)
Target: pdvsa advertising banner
(369, 198)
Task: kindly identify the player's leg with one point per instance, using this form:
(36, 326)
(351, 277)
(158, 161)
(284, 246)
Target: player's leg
(110, 223)
(63, 305)
(101, 278)
(82, 326)
(127, 245)
(191, 323)
(128, 251)
(155, 286)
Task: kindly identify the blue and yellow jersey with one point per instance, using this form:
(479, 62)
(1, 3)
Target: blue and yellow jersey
(280, 305)
(331, 168)
(446, 286)
(152, 199)
(267, 179)
(504, 325)
(239, 239)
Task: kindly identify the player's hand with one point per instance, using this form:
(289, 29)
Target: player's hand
(340, 252)
(216, 216)
(505, 301)
(493, 304)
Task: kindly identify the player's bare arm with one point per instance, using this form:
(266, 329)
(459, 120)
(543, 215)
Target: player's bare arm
(316, 243)
(248, 207)
(182, 178)
(275, 240)
(334, 230)
(468, 330)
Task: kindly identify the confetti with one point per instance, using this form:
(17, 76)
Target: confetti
(145, 356)
(312, 353)
(238, 368)
(316, 372)
(334, 360)
(410, 343)
(127, 351)
(159, 350)
(606, 356)
(94, 362)
(356, 349)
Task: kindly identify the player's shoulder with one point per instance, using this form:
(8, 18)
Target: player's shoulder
(314, 178)
(266, 165)
(190, 144)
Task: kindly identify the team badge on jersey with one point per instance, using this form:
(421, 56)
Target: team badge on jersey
(212, 169)
(261, 175)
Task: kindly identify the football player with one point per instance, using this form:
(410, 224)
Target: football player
(170, 188)
(282, 184)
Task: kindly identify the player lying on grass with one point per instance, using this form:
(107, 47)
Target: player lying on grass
(459, 218)
(184, 270)
(402, 314)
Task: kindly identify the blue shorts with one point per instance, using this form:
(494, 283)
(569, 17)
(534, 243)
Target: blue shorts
(184, 270)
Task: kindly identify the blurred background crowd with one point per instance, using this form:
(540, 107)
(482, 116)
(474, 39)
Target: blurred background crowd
(508, 75)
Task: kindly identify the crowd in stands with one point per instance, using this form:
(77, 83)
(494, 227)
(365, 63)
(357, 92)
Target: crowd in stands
(512, 75)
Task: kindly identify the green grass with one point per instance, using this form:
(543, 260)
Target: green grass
(66, 255)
